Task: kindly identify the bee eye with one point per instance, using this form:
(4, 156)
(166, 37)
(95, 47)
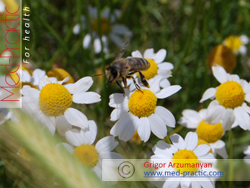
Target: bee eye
(114, 72)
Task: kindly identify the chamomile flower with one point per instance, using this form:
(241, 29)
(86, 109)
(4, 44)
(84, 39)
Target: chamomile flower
(108, 28)
(138, 110)
(82, 148)
(51, 105)
(211, 133)
(158, 70)
(183, 149)
(229, 106)
(247, 153)
(237, 44)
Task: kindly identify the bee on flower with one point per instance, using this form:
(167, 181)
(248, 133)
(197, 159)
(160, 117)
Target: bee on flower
(237, 44)
(51, 105)
(158, 70)
(211, 133)
(109, 29)
(138, 110)
(231, 98)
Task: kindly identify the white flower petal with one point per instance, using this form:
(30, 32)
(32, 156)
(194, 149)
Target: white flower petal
(244, 39)
(62, 125)
(117, 113)
(214, 114)
(247, 97)
(137, 53)
(86, 98)
(30, 92)
(165, 115)
(149, 53)
(88, 136)
(191, 140)
(76, 29)
(30, 105)
(220, 148)
(209, 94)
(171, 183)
(77, 118)
(125, 127)
(37, 75)
(243, 50)
(227, 119)
(25, 76)
(201, 150)
(97, 45)
(86, 41)
(242, 117)
(144, 130)
(81, 85)
(158, 126)
(166, 92)
(74, 137)
(219, 73)
(160, 56)
(178, 141)
(162, 148)
(2, 7)
(166, 66)
(106, 144)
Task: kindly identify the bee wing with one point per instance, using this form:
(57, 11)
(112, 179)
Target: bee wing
(123, 47)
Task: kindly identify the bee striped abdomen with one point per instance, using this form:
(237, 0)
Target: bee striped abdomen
(138, 64)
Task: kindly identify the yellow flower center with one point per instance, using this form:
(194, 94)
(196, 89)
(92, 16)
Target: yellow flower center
(60, 74)
(230, 94)
(201, 141)
(152, 71)
(181, 157)
(142, 103)
(54, 99)
(222, 56)
(87, 154)
(105, 26)
(209, 132)
(233, 42)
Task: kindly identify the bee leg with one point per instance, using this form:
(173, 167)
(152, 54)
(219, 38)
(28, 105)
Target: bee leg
(125, 82)
(143, 80)
(118, 83)
(136, 85)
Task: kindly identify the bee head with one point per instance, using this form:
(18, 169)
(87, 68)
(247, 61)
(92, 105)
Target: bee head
(112, 74)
